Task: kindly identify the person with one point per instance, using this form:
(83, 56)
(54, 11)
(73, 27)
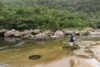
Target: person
(72, 38)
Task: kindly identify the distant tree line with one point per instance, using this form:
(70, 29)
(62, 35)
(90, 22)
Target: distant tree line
(46, 14)
(88, 6)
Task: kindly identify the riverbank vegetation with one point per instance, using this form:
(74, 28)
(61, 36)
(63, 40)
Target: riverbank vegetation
(48, 14)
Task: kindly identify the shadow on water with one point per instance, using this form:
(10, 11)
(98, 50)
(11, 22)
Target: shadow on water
(65, 47)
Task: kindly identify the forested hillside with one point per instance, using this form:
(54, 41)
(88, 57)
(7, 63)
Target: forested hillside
(72, 5)
(49, 14)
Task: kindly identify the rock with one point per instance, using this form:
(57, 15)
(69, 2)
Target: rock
(17, 34)
(20, 44)
(4, 65)
(59, 33)
(2, 32)
(40, 36)
(30, 36)
(95, 33)
(9, 33)
(93, 62)
(63, 62)
(66, 32)
(77, 33)
(84, 32)
(96, 52)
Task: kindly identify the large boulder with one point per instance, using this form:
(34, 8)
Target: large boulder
(77, 33)
(96, 52)
(17, 34)
(2, 32)
(10, 33)
(84, 32)
(59, 33)
(40, 36)
(67, 32)
(56, 34)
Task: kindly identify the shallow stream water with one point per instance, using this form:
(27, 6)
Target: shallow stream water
(32, 52)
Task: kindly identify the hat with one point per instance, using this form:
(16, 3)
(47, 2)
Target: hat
(71, 33)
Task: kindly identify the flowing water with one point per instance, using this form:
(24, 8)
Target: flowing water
(32, 52)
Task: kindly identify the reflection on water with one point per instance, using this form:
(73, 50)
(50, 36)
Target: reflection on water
(12, 39)
(7, 41)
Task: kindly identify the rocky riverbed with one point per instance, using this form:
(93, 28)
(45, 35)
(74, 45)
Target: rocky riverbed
(51, 53)
(87, 56)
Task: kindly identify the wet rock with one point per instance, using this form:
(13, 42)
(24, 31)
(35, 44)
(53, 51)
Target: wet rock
(17, 34)
(92, 46)
(85, 43)
(93, 62)
(84, 32)
(10, 33)
(77, 33)
(40, 36)
(63, 62)
(53, 36)
(66, 32)
(4, 65)
(96, 52)
(79, 62)
(30, 36)
(2, 32)
(59, 33)
(47, 32)
(31, 31)
(20, 44)
(83, 56)
(95, 33)
(98, 42)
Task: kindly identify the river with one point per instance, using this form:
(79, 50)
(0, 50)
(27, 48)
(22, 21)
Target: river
(43, 53)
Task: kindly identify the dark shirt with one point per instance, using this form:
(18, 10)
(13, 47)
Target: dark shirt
(71, 38)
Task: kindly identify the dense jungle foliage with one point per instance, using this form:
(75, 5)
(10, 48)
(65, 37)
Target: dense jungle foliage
(49, 14)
